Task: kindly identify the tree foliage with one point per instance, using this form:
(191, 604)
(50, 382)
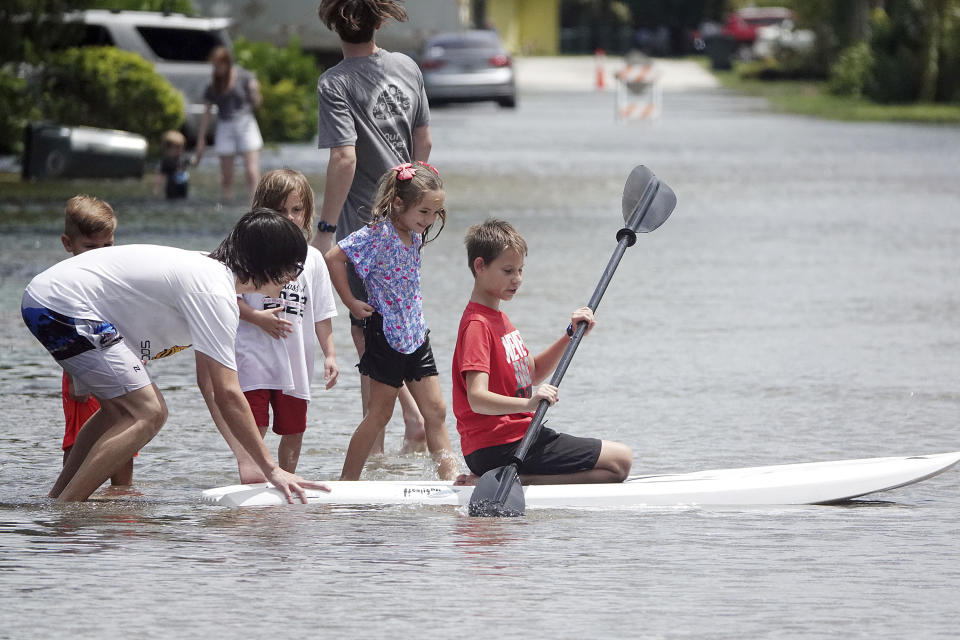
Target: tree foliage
(288, 83)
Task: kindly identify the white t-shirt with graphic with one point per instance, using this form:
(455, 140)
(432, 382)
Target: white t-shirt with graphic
(265, 362)
(161, 299)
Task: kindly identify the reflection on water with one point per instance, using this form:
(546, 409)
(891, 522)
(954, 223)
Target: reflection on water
(800, 305)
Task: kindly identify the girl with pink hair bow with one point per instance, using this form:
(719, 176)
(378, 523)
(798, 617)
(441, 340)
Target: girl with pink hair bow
(386, 256)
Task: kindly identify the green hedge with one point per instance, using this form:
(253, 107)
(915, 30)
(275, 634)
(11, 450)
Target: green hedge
(108, 88)
(288, 83)
(16, 109)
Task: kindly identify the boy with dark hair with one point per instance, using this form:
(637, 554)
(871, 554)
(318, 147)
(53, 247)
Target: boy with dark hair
(103, 314)
(373, 115)
(494, 374)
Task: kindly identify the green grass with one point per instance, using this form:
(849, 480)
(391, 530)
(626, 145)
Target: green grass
(812, 99)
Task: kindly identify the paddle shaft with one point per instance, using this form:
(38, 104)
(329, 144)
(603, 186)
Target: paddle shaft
(626, 237)
(533, 431)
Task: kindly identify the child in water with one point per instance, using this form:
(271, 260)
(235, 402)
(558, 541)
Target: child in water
(386, 256)
(277, 336)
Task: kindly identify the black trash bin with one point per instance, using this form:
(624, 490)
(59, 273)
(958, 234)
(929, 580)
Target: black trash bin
(55, 151)
(719, 48)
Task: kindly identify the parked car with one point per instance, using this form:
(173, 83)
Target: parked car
(742, 25)
(178, 46)
(468, 66)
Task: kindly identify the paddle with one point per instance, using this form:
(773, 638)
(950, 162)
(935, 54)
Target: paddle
(647, 203)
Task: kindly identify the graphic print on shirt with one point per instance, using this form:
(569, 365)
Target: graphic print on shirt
(391, 102)
(517, 353)
(293, 298)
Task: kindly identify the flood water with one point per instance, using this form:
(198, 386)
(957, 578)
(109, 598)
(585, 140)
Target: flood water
(801, 304)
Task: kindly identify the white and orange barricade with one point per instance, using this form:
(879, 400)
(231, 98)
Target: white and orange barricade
(639, 92)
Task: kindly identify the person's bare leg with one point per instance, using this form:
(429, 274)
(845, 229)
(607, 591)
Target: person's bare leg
(226, 178)
(288, 453)
(358, 342)
(613, 465)
(128, 424)
(382, 399)
(414, 436)
(429, 399)
(251, 162)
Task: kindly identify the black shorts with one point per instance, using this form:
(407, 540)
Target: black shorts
(384, 364)
(552, 454)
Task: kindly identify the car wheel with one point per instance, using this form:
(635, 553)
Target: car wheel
(55, 163)
(508, 103)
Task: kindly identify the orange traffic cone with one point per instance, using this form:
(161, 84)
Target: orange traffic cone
(601, 57)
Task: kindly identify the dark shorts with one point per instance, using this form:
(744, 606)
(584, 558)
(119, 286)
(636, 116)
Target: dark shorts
(552, 454)
(383, 364)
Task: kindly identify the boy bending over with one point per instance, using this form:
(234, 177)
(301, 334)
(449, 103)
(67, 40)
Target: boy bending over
(494, 374)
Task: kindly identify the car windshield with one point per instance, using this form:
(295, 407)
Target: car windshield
(480, 40)
(182, 45)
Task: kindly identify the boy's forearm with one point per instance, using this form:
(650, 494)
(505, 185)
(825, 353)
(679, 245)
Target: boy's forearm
(547, 361)
(340, 172)
(422, 143)
(493, 404)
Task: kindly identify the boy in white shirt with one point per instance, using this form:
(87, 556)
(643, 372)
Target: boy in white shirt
(103, 314)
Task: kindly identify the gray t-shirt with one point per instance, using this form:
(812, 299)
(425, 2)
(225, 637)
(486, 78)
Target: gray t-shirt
(235, 100)
(372, 103)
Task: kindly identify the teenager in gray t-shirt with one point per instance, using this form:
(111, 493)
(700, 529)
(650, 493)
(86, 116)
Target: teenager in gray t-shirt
(373, 103)
(373, 115)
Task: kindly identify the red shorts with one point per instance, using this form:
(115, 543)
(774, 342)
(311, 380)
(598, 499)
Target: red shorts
(76, 413)
(289, 413)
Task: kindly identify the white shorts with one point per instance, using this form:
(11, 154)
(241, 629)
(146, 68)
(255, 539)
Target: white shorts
(237, 135)
(92, 351)
(107, 373)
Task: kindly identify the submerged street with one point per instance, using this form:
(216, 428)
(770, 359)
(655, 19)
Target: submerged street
(799, 305)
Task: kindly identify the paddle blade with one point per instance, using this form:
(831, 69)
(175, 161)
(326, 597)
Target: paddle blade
(647, 201)
(498, 494)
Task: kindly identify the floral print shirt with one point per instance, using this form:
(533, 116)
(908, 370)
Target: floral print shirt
(391, 272)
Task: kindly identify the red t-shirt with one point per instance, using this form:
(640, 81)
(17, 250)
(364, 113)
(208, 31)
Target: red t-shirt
(488, 342)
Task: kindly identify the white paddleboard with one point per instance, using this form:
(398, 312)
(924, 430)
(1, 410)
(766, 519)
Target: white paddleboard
(805, 483)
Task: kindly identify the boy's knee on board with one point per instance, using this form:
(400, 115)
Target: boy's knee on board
(619, 459)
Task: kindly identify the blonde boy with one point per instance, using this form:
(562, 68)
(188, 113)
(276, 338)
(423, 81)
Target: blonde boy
(90, 224)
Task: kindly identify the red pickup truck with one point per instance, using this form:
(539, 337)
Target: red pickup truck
(742, 25)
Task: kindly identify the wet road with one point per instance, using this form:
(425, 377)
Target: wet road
(801, 304)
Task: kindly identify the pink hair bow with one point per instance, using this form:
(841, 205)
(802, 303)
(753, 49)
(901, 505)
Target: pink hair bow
(404, 171)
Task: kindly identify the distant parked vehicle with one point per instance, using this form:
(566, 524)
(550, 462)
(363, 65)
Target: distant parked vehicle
(742, 25)
(468, 66)
(178, 46)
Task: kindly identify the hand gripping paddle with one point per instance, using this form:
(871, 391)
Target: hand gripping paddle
(647, 203)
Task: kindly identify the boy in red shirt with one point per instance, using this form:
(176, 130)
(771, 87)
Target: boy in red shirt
(494, 374)
(89, 224)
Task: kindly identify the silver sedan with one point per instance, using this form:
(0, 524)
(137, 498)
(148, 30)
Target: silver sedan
(468, 66)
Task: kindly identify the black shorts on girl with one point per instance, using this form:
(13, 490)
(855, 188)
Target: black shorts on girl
(551, 454)
(388, 366)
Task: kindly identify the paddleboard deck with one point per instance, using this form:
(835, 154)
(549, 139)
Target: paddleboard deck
(789, 484)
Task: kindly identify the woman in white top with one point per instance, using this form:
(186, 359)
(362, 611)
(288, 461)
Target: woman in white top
(236, 93)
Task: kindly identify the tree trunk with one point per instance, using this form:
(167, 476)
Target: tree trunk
(934, 15)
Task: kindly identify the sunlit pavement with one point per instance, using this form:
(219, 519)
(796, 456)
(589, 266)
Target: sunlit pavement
(579, 73)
